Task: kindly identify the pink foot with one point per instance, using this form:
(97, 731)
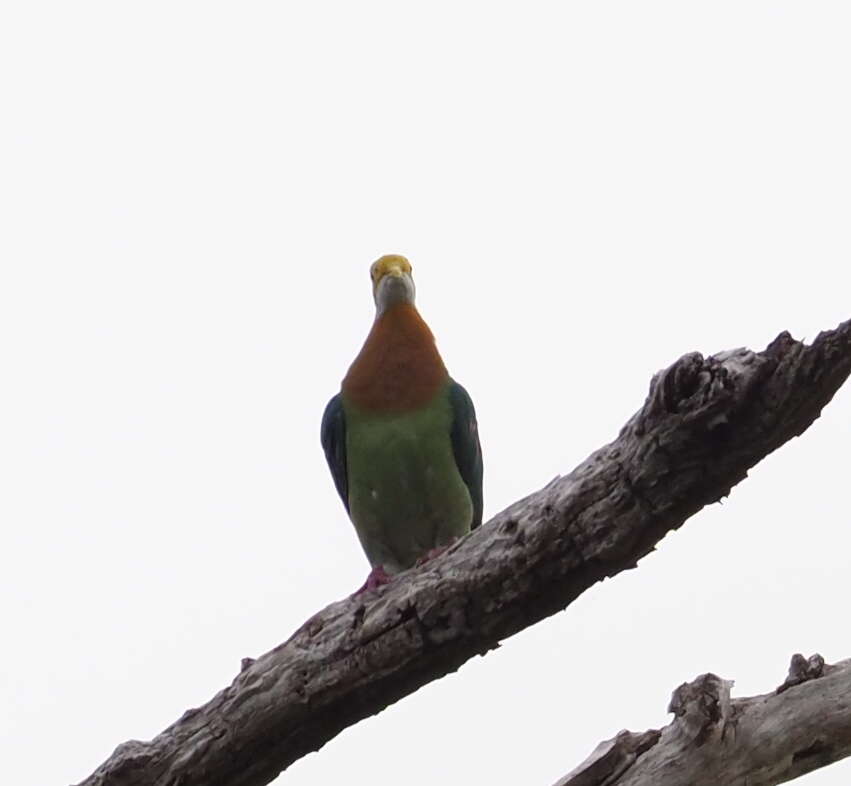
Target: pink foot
(435, 552)
(377, 577)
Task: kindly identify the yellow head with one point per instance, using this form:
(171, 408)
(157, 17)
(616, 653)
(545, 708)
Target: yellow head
(392, 282)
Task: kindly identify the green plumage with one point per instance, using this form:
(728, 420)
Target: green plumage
(411, 481)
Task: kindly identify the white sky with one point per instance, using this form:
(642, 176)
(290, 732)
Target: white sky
(191, 194)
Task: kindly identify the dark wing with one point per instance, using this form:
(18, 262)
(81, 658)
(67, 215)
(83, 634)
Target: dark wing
(466, 447)
(333, 436)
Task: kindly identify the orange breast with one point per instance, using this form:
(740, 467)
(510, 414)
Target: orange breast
(399, 368)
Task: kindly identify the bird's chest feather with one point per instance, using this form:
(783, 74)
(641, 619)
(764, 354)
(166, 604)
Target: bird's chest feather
(398, 370)
(401, 462)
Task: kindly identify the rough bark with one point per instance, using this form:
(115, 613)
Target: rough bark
(705, 422)
(759, 741)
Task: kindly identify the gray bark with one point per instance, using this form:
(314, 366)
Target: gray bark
(705, 422)
(758, 741)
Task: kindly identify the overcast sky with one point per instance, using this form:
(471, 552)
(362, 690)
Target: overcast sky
(191, 195)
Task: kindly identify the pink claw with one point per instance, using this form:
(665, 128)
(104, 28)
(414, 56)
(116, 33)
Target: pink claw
(377, 577)
(435, 552)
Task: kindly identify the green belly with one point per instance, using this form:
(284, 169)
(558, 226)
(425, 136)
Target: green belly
(406, 495)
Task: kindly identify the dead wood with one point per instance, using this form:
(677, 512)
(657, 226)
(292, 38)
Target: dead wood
(705, 422)
(714, 739)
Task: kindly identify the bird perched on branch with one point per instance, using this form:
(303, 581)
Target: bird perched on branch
(401, 437)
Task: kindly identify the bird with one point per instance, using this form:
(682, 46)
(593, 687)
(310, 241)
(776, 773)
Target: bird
(401, 437)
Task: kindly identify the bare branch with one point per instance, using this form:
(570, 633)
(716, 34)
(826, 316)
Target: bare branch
(706, 421)
(761, 741)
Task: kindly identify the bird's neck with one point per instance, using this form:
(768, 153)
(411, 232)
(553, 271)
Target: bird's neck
(399, 368)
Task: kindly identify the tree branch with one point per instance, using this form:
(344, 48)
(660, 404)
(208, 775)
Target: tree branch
(761, 741)
(706, 421)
